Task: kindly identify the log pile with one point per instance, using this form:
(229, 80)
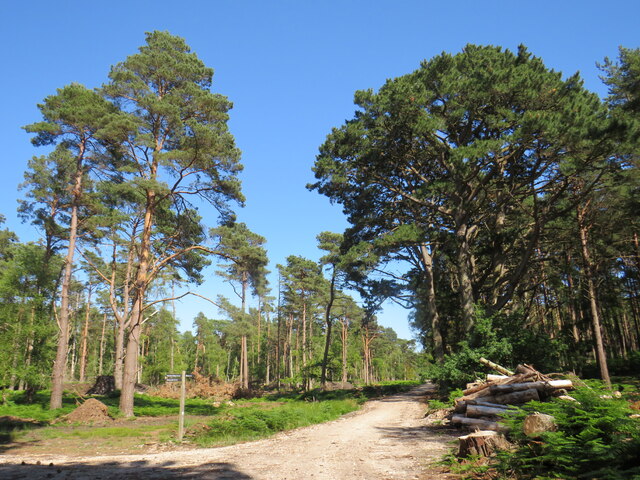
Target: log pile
(484, 404)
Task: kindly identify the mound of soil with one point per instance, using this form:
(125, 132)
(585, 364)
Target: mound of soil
(92, 411)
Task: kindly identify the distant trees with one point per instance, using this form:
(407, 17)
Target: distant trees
(247, 259)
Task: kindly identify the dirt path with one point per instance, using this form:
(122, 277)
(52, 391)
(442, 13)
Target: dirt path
(388, 439)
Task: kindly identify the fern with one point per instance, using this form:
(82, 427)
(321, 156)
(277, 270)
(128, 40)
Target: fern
(596, 439)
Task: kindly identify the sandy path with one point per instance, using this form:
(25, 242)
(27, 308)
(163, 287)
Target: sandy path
(387, 439)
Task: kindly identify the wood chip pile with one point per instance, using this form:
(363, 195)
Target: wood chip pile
(484, 403)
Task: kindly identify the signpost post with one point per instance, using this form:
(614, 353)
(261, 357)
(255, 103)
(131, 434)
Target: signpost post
(183, 390)
(175, 377)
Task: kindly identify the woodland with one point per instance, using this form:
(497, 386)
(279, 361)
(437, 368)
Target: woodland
(506, 196)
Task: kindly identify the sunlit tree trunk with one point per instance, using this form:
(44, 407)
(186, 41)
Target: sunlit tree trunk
(59, 366)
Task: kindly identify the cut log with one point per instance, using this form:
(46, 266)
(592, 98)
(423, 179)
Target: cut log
(460, 407)
(482, 443)
(483, 411)
(517, 397)
(478, 423)
(496, 367)
(477, 388)
(537, 423)
(542, 386)
(487, 404)
(492, 378)
(514, 398)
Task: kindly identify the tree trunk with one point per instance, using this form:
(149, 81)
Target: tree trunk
(102, 338)
(245, 364)
(60, 363)
(85, 338)
(136, 320)
(344, 338)
(465, 286)
(431, 309)
(593, 303)
(268, 356)
(130, 371)
(329, 323)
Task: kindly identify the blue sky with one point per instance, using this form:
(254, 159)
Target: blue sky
(290, 68)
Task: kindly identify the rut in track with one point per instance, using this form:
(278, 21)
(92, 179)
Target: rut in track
(387, 440)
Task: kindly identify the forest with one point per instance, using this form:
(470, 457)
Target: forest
(493, 198)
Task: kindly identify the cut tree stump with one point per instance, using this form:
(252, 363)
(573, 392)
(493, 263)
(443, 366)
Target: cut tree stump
(104, 384)
(482, 443)
(537, 423)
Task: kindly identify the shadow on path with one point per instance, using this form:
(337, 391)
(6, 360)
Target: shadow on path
(129, 471)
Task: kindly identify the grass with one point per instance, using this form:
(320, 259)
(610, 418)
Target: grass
(104, 432)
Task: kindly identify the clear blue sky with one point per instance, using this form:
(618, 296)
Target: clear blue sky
(290, 68)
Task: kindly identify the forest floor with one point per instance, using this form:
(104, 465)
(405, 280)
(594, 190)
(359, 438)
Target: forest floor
(387, 439)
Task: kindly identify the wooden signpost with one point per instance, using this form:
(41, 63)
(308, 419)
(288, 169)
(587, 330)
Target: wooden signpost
(177, 377)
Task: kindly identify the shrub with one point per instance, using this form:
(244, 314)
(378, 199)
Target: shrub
(502, 339)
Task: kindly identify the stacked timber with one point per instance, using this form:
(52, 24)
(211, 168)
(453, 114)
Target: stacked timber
(485, 403)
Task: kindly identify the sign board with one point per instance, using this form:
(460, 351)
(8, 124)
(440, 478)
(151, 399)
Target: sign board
(175, 377)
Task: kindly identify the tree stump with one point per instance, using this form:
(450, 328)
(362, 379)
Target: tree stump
(482, 443)
(104, 384)
(537, 423)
